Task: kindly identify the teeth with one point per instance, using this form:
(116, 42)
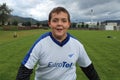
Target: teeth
(59, 28)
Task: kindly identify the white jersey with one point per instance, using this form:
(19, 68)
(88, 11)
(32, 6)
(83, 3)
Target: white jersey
(55, 60)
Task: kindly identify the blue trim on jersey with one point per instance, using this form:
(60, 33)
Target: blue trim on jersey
(28, 54)
(61, 43)
(42, 37)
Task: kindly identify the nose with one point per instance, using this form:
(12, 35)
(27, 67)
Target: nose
(59, 22)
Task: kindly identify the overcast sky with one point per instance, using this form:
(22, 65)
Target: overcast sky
(80, 10)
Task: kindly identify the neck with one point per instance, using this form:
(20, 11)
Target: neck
(60, 38)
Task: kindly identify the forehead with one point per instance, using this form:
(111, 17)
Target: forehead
(59, 15)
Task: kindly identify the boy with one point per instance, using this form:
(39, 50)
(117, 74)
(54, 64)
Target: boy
(56, 53)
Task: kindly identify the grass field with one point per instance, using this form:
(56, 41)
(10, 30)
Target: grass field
(103, 51)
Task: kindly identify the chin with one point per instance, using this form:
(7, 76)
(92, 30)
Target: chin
(60, 35)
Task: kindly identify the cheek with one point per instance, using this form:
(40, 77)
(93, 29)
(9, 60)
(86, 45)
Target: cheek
(67, 26)
(51, 25)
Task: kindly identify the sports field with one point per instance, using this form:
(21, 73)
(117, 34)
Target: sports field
(103, 48)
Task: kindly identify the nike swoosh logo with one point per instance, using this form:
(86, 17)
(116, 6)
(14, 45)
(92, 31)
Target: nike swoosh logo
(70, 55)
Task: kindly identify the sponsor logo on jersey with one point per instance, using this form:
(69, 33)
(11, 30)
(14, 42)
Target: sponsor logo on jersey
(70, 55)
(63, 64)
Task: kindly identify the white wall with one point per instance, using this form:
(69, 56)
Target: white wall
(109, 27)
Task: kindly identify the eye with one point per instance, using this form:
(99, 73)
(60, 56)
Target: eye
(64, 20)
(54, 20)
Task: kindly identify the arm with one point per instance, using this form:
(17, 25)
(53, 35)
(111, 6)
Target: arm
(23, 73)
(90, 72)
(29, 61)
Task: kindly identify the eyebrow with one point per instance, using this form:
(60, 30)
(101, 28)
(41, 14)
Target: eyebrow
(61, 18)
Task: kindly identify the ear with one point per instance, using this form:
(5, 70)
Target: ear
(49, 23)
(69, 24)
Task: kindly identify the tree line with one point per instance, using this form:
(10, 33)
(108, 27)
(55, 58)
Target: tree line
(5, 12)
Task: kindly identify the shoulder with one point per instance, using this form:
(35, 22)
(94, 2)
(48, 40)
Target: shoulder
(41, 39)
(43, 36)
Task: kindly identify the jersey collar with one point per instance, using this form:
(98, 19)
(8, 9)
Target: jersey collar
(60, 43)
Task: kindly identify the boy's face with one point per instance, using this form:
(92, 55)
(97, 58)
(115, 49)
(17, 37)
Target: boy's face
(59, 24)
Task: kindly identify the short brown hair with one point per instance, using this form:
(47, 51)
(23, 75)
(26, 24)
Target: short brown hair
(58, 10)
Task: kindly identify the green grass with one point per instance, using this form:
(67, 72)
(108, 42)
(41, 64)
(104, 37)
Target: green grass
(103, 51)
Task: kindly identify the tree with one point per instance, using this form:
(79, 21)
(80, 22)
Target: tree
(38, 24)
(73, 25)
(4, 13)
(27, 24)
(15, 23)
(87, 25)
(82, 25)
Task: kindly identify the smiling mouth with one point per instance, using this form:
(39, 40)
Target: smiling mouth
(59, 29)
